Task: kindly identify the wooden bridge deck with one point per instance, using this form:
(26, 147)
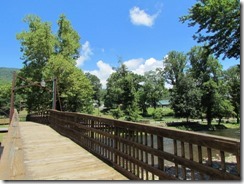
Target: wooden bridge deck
(49, 156)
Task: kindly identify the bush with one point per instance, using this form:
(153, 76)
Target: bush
(117, 113)
(159, 113)
(132, 114)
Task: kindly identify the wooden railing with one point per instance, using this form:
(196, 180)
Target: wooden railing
(146, 152)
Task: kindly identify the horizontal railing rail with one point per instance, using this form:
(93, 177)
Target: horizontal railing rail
(40, 117)
(147, 152)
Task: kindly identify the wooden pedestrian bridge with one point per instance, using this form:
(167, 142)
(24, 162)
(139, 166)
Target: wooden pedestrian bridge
(73, 146)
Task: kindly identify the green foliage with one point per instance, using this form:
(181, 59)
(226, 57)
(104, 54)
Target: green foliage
(122, 91)
(75, 95)
(47, 56)
(186, 98)
(97, 87)
(232, 83)
(5, 93)
(207, 72)
(222, 107)
(200, 89)
(6, 75)
(220, 23)
(132, 113)
(37, 44)
(117, 113)
(152, 89)
(158, 114)
(68, 44)
(175, 66)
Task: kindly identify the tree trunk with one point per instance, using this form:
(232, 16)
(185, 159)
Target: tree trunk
(220, 118)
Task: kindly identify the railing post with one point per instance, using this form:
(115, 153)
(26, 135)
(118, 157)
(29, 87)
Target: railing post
(116, 134)
(92, 136)
(161, 148)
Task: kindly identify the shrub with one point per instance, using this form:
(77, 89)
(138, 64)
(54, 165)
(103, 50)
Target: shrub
(117, 113)
(158, 114)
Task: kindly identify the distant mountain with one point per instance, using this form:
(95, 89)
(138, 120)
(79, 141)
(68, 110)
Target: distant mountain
(6, 74)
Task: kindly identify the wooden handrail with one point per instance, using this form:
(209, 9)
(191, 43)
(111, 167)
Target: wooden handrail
(147, 152)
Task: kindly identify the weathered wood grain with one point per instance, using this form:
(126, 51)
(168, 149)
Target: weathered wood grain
(49, 156)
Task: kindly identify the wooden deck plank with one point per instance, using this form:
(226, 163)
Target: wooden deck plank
(50, 156)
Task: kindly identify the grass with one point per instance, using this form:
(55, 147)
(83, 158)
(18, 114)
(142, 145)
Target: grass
(228, 123)
(2, 136)
(4, 121)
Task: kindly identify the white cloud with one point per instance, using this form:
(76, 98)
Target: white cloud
(133, 64)
(140, 66)
(103, 72)
(140, 17)
(86, 52)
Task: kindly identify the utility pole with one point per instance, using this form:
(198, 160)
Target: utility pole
(54, 93)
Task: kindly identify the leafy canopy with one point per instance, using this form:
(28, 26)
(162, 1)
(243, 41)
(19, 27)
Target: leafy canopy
(219, 25)
(47, 56)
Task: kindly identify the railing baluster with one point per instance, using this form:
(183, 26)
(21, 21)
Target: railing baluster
(176, 164)
(191, 158)
(139, 148)
(222, 156)
(161, 148)
(183, 156)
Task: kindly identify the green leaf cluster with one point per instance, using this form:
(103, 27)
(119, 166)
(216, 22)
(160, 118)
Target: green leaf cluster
(48, 56)
(219, 25)
(200, 87)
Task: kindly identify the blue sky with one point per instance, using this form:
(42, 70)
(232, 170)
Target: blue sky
(139, 32)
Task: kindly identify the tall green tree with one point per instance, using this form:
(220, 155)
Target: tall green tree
(175, 66)
(74, 90)
(49, 56)
(122, 92)
(37, 46)
(186, 98)
(97, 87)
(207, 71)
(219, 25)
(153, 88)
(174, 71)
(68, 44)
(233, 80)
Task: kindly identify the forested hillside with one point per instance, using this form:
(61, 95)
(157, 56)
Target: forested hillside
(6, 74)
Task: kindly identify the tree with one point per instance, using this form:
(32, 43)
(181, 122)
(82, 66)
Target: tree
(49, 56)
(174, 72)
(122, 88)
(186, 98)
(152, 89)
(68, 44)
(5, 92)
(233, 81)
(206, 70)
(37, 46)
(175, 65)
(222, 107)
(74, 89)
(219, 25)
(97, 87)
